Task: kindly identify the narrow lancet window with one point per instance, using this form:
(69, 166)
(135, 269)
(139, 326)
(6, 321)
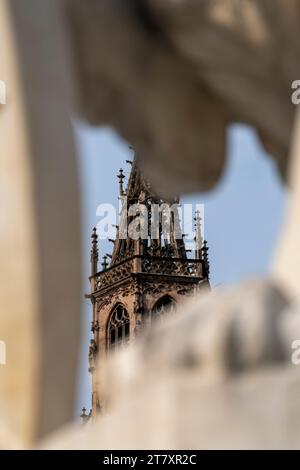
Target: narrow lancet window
(118, 330)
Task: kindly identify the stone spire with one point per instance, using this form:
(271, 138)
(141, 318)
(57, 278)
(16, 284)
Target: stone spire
(84, 416)
(198, 236)
(94, 252)
(150, 208)
(121, 177)
(104, 263)
(205, 258)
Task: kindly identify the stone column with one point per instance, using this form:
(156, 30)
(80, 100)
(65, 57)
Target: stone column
(40, 281)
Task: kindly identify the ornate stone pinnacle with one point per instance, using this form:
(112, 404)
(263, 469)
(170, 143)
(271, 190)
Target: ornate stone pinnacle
(121, 177)
(85, 417)
(198, 237)
(104, 264)
(197, 219)
(205, 257)
(94, 252)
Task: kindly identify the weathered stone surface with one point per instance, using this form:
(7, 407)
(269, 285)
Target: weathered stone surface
(40, 280)
(170, 75)
(217, 375)
(9, 441)
(286, 263)
(254, 411)
(131, 79)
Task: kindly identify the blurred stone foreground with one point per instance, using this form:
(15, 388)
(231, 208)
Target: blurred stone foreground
(169, 76)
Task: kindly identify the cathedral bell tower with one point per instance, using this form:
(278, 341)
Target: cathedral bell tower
(148, 273)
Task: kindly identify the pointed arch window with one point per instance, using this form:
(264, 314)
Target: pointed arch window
(118, 328)
(165, 304)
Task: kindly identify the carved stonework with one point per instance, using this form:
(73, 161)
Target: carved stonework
(121, 291)
(170, 266)
(112, 276)
(145, 279)
(92, 355)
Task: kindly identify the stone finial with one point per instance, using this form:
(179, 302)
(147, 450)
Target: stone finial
(94, 252)
(104, 263)
(205, 258)
(198, 236)
(85, 417)
(121, 177)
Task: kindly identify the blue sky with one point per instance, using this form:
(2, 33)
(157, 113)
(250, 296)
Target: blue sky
(243, 214)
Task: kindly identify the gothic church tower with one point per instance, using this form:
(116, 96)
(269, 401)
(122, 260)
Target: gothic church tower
(146, 276)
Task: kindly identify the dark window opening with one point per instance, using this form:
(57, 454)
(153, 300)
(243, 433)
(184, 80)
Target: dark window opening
(118, 327)
(164, 305)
